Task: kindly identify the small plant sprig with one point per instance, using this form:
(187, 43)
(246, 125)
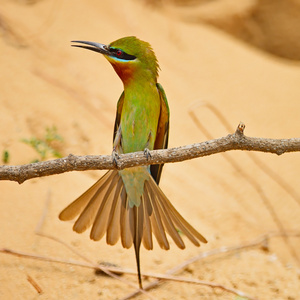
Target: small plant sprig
(5, 156)
(47, 146)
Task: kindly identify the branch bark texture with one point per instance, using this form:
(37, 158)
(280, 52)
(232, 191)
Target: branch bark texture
(235, 141)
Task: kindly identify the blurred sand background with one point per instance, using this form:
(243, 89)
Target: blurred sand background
(241, 57)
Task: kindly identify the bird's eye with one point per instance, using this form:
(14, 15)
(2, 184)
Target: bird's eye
(120, 54)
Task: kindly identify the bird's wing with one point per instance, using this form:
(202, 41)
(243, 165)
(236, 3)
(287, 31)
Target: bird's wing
(118, 114)
(162, 134)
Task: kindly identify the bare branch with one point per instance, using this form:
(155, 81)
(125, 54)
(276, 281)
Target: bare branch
(235, 141)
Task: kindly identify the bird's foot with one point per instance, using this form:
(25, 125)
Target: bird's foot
(147, 153)
(115, 156)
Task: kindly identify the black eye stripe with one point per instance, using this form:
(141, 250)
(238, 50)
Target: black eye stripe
(121, 54)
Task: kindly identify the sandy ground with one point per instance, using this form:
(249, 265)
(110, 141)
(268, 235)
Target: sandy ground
(44, 83)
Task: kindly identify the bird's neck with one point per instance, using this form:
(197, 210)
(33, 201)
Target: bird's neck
(141, 84)
(131, 75)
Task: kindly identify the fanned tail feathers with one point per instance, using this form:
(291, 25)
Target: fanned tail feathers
(105, 207)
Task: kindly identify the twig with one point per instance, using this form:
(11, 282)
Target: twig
(10, 34)
(200, 282)
(41, 222)
(115, 270)
(235, 141)
(251, 180)
(34, 284)
(157, 276)
(90, 262)
(265, 168)
(260, 241)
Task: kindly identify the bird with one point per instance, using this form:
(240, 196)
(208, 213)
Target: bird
(128, 203)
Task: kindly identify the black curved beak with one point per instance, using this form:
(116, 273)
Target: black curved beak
(97, 47)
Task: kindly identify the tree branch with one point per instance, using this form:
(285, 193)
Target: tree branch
(235, 141)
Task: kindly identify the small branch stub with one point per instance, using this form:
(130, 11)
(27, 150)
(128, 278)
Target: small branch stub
(240, 129)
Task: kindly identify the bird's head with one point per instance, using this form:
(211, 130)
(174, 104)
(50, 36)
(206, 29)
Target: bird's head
(131, 58)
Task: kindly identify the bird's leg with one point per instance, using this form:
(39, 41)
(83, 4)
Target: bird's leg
(146, 150)
(147, 153)
(116, 145)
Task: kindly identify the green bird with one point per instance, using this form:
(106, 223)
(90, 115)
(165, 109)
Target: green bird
(129, 203)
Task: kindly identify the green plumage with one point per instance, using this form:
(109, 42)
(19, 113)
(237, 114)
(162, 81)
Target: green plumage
(143, 51)
(128, 203)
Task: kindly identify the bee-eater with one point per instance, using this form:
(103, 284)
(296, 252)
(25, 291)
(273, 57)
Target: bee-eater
(128, 203)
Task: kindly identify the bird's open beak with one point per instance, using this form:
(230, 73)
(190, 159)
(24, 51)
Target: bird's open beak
(97, 47)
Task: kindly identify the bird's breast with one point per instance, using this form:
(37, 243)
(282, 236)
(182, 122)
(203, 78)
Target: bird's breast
(139, 119)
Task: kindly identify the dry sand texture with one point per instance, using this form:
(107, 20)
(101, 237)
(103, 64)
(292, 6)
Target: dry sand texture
(205, 56)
